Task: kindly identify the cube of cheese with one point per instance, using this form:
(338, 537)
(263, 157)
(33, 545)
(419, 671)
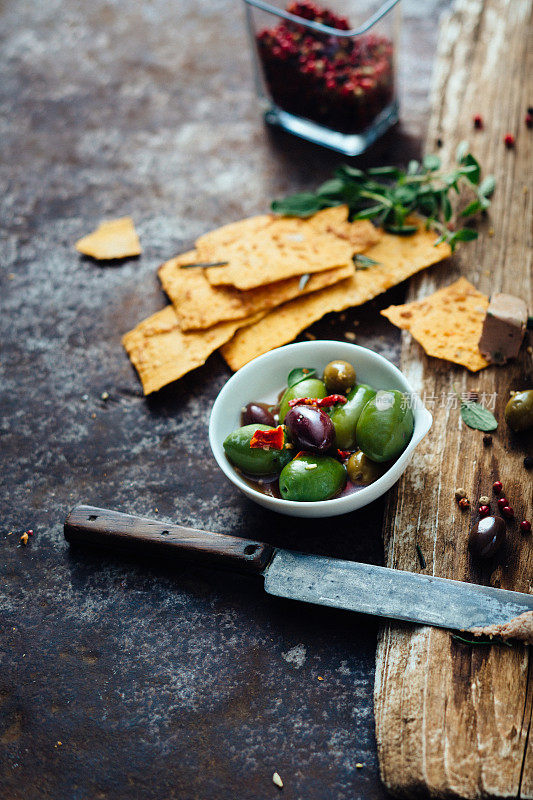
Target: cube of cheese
(503, 328)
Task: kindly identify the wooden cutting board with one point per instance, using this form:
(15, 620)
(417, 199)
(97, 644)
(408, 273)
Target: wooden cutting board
(454, 720)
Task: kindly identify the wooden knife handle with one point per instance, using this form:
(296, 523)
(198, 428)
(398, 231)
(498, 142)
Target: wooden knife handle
(104, 528)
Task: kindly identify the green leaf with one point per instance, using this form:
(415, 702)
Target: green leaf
(370, 212)
(446, 206)
(385, 172)
(364, 262)
(471, 209)
(412, 167)
(300, 374)
(465, 235)
(333, 186)
(298, 205)
(487, 186)
(477, 416)
(462, 150)
(350, 172)
(402, 230)
(470, 168)
(431, 163)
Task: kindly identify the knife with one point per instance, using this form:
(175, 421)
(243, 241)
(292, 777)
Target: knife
(365, 588)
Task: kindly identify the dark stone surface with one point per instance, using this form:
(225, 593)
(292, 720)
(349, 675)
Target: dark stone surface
(124, 679)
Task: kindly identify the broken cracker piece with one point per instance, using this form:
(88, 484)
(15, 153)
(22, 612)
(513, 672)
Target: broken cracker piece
(398, 258)
(447, 324)
(161, 353)
(198, 304)
(283, 248)
(115, 238)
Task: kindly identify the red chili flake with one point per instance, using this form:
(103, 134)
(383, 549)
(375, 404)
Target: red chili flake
(267, 440)
(324, 402)
(497, 486)
(529, 120)
(484, 511)
(343, 454)
(525, 526)
(478, 121)
(502, 502)
(301, 453)
(508, 140)
(507, 511)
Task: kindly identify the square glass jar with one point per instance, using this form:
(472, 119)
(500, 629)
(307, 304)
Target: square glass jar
(322, 80)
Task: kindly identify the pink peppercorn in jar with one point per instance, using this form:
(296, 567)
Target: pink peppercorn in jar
(322, 79)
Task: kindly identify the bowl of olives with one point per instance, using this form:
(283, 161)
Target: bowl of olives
(316, 429)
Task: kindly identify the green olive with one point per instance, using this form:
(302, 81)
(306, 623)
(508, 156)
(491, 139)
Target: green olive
(255, 461)
(362, 470)
(339, 377)
(519, 411)
(311, 387)
(345, 417)
(312, 478)
(385, 425)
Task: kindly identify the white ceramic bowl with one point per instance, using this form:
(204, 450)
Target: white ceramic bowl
(264, 377)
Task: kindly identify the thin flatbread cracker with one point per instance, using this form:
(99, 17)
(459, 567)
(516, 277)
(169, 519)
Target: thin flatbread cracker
(447, 324)
(200, 305)
(208, 244)
(162, 353)
(361, 234)
(399, 257)
(284, 247)
(116, 238)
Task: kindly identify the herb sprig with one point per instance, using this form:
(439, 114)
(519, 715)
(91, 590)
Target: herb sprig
(389, 195)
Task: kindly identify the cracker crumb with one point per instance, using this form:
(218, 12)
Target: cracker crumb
(310, 336)
(320, 678)
(359, 765)
(491, 231)
(350, 335)
(24, 539)
(276, 780)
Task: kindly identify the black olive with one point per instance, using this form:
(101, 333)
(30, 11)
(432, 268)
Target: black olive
(257, 413)
(486, 537)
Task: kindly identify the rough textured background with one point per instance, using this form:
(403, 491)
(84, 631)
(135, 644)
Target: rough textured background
(122, 679)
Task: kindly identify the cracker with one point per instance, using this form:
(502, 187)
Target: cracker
(162, 353)
(447, 324)
(200, 305)
(115, 238)
(282, 248)
(399, 257)
(361, 234)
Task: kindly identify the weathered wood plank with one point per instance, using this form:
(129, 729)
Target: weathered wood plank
(452, 720)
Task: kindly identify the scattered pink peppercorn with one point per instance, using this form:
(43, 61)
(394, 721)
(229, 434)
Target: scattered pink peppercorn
(478, 121)
(497, 486)
(529, 120)
(507, 511)
(29, 532)
(502, 502)
(484, 511)
(525, 526)
(508, 141)
(463, 502)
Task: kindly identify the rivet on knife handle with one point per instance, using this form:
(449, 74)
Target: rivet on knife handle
(87, 525)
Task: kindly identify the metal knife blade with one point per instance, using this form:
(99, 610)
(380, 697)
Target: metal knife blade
(299, 576)
(392, 593)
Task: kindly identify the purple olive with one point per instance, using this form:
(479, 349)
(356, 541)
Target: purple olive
(486, 537)
(257, 413)
(310, 429)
